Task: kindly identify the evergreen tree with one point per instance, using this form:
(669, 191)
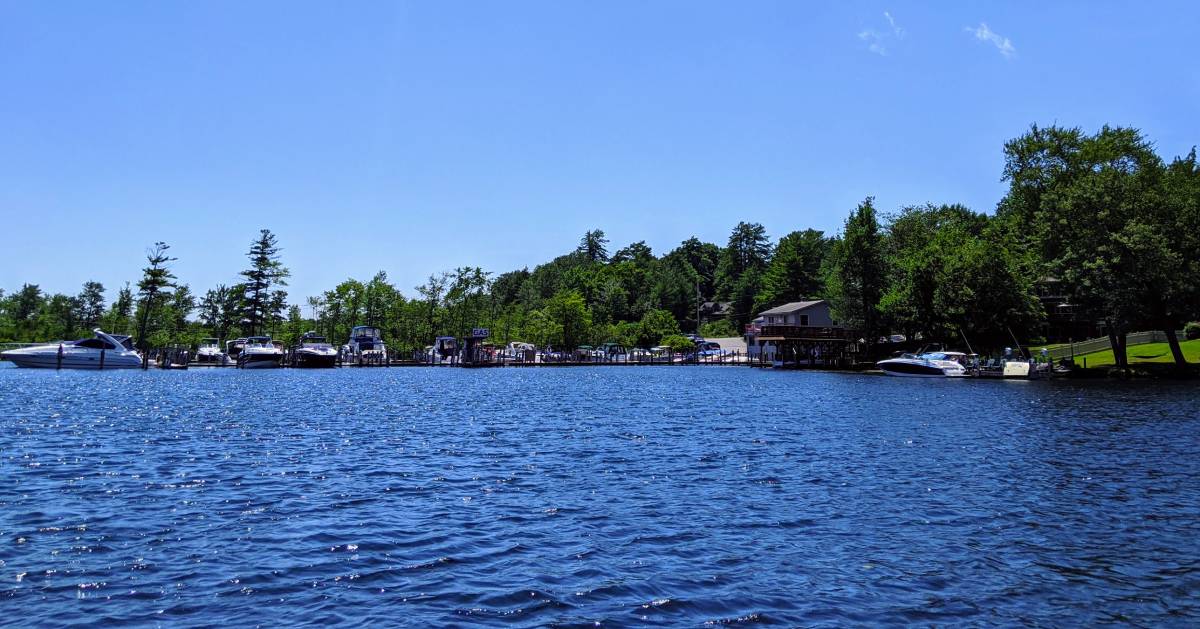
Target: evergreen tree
(156, 278)
(794, 273)
(261, 305)
(594, 246)
(854, 279)
(740, 272)
(91, 305)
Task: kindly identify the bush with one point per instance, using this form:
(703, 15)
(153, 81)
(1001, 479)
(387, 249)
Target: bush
(1191, 331)
(718, 329)
(679, 344)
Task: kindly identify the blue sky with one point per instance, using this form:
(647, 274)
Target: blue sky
(414, 138)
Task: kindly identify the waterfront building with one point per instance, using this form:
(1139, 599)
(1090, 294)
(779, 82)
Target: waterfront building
(800, 333)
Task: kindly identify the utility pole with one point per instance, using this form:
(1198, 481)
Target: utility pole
(698, 298)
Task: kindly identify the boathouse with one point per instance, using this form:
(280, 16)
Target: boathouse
(800, 334)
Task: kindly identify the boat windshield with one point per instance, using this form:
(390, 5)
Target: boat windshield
(94, 344)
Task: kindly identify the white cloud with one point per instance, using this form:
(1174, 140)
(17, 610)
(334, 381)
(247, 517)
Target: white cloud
(877, 41)
(899, 32)
(874, 42)
(985, 34)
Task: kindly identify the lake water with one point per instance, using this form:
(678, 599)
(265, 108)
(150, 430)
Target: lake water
(574, 496)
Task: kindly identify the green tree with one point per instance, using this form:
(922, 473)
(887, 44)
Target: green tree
(156, 279)
(655, 325)
(794, 273)
(91, 305)
(568, 310)
(854, 278)
(1092, 207)
(740, 271)
(118, 316)
(594, 246)
(262, 305)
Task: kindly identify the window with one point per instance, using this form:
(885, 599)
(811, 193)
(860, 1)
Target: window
(803, 319)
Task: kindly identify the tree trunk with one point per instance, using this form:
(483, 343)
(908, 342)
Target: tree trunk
(1176, 351)
(1117, 342)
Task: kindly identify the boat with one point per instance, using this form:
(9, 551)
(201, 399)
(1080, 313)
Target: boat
(926, 365)
(210, 352)
(233, 349)
(314, 351)
(260, 353)
(366, 343)
(444, 350)
(103, 351)
(1014, 368)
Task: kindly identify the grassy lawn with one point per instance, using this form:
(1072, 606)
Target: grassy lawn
(1144, 353)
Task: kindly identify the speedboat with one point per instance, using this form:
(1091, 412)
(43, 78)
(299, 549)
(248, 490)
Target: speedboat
(926, 365)
(260, 353)
(104, 351)
(210, 351)
(314, 351)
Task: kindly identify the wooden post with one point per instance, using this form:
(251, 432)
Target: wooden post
(58, 365)
(102, 350)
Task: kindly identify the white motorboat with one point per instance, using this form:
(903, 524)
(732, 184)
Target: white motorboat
(366, 342)
(104, 351)
(210, 351)
(926, 365)
(314, 351)
(260, 353)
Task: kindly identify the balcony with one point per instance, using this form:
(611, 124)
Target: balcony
(802, 333)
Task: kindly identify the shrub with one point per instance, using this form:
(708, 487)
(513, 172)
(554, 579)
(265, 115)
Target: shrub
(1191, 331)
(679, 344)
(718, 329)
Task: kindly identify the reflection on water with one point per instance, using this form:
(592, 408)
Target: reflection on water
(675, 495)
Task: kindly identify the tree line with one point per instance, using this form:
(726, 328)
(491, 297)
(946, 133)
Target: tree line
(1116, 225)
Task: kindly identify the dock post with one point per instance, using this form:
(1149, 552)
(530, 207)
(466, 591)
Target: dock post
(58, 365)
(102, 350)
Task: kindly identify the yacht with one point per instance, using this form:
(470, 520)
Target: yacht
(366, 342)
(103, 351)
(210, 351)
(260, 353)
(314, 351)
(926, 365)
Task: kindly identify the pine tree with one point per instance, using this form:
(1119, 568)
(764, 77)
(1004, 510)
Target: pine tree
(156, 278)
(261, 305)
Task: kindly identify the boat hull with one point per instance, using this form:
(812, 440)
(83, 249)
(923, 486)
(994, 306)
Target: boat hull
(72, 360)
(916, 369)
(260, 361)
(315, 360)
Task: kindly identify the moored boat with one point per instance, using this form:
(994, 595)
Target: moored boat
(103, 351)
(926, 365)
(314, 351)
(210, 351)
(233, 349)
(260, 353)
(366, 343)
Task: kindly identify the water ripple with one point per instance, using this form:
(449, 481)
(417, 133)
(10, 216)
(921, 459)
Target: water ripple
(577, 497)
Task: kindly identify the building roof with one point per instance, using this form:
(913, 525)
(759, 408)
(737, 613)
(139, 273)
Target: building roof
(794, 306)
